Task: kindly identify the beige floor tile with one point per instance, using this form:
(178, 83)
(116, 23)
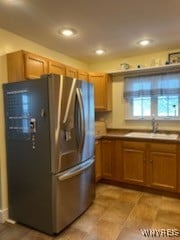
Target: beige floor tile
(114, 215)
(131, 234)
(150, 200)
(105, 230)
(104, 200)
(124, 207)
(142, 216)
(71, 234)
(100, 188)
(85, 223)
(113, 193)
(130, 196)
(170, 204)
(118, 212)
(36, 235)
(168, 217)
(96, 210)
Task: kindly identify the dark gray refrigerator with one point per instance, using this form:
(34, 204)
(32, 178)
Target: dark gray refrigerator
(50, 150)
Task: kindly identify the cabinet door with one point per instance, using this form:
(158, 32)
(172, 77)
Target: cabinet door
(117, 160)
(35, 66)
(163, 171)
(134, 162)
(71, 72)
(57, 68)
(102, 91)
(98, 158)
(82, 75)
(15, 66)
(107, 158)
(111, 160)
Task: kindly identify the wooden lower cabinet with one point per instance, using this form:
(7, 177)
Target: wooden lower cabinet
(98, 160)
(150, 164)
(134, 162)
(163, 166)
(111, 159)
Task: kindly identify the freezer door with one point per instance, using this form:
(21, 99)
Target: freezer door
(74, 191)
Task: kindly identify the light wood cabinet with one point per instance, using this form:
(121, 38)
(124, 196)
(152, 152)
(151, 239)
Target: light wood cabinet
(24, 65)
(150, 164)
(134, 162)
(111, 160)
(57, 68)
(82, 75)
(71, 72)
(163, 166)
(98, 160)
(102, 91)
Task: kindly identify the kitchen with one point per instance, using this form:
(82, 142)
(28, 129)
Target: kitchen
(115, 119)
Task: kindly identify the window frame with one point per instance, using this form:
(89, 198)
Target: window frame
(154, 111)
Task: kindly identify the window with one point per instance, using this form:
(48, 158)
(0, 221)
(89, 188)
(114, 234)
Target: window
(157, 95)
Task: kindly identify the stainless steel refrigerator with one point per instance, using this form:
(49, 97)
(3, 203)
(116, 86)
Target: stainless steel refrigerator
(50, 150)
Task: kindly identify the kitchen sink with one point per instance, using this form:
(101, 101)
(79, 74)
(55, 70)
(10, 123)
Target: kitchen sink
(152, 135)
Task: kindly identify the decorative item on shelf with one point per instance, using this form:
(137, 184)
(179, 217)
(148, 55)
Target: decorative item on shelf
(174, 57)
(140, 66)
(124, 66)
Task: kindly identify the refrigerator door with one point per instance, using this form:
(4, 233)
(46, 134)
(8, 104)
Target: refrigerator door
(72, 122)
(28, 153)
(86, 93)
(74, 191)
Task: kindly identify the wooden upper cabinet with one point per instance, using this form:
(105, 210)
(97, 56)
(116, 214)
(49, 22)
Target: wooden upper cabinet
(35, 66)
(102, 91)
(23, 65)
(82, 75)
(57, 68)
(71, 72)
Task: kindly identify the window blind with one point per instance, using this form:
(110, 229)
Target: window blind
(166, 84)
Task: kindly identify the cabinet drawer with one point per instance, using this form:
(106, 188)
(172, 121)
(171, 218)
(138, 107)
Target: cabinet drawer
(134, 145)
(163, 147)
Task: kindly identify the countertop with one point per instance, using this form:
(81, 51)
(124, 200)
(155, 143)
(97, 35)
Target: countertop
(123, 135)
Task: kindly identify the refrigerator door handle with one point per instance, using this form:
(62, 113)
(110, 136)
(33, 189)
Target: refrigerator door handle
(76, 170)
(81, 106)
(69, 101)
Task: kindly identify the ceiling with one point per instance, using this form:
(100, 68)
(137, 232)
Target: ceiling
(114, 25)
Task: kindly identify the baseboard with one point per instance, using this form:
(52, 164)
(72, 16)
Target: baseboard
(3, 215)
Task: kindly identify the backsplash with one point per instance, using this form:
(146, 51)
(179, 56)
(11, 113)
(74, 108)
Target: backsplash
(100, 128)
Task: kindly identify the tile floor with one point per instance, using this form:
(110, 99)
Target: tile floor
(116, 214)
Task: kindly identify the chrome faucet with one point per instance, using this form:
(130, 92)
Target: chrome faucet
(154, 124)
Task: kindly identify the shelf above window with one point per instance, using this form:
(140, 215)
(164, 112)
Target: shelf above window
(146, 70)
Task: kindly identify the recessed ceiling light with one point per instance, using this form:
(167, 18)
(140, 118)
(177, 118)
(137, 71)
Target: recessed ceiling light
(68, 32)
(144, 42)
(100, 52)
